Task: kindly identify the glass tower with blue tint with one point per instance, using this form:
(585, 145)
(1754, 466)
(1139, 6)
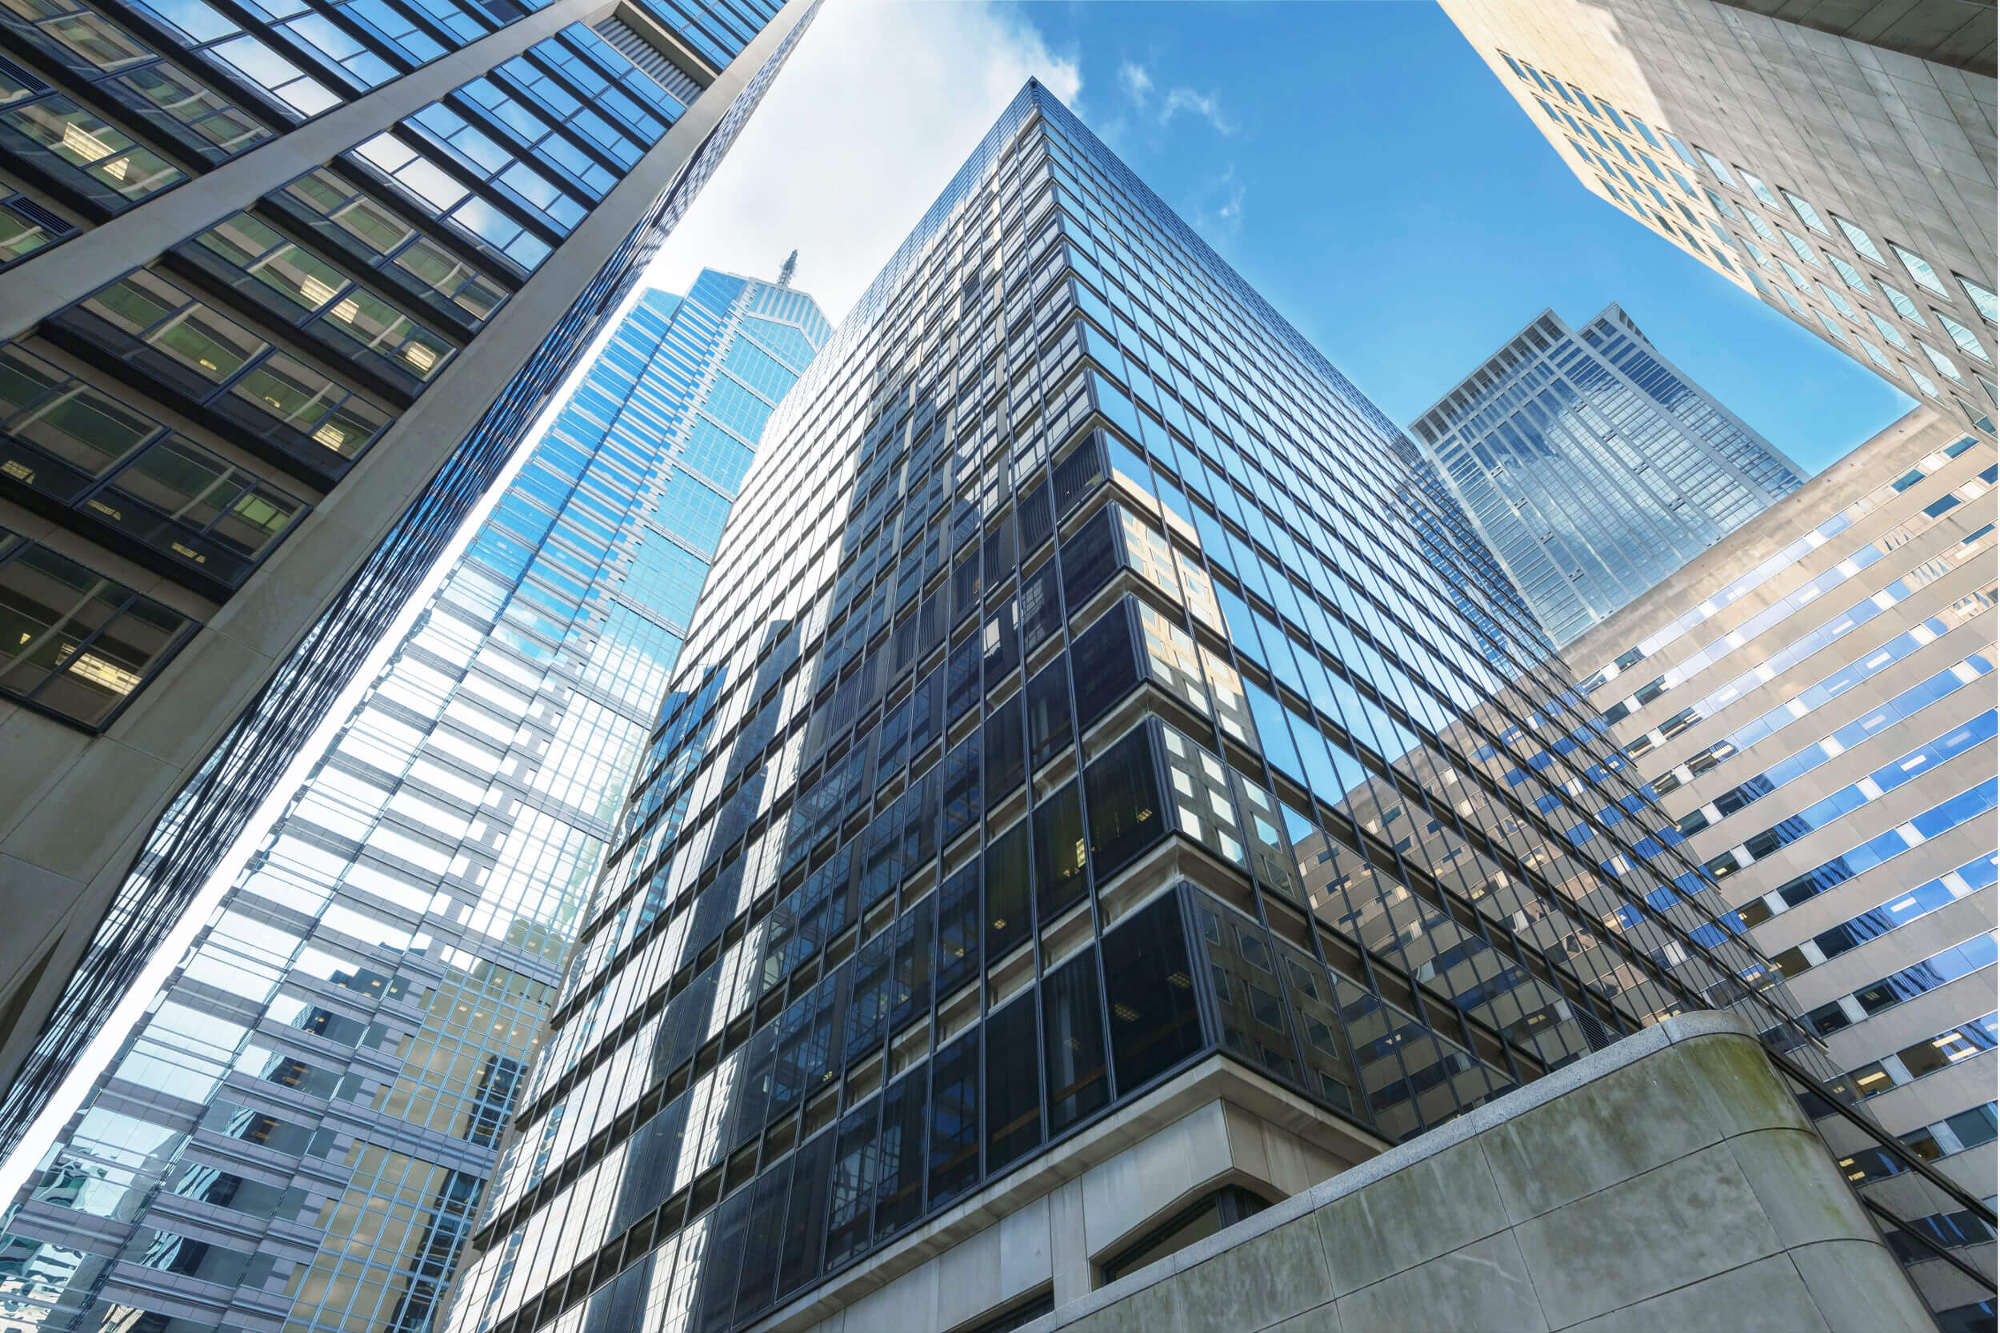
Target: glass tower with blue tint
(969, 939)
(281, 289)
(1594, 468)
(298, 1133)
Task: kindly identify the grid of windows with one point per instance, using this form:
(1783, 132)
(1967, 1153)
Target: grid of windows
(1593, 468)
(1781, 283)
(1039, 730)
(410, 915)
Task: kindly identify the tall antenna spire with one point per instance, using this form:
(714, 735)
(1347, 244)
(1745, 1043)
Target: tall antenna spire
(791, 266)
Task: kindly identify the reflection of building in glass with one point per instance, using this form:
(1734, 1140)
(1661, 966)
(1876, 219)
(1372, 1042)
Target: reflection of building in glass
(1593, 467)
(958, 904)
(300, 1131)
(281, 289)
(1836, 162)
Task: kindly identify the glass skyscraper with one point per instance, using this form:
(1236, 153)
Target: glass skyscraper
(298, 1133)
(280, 291)
(1594, 468)
(955, 952)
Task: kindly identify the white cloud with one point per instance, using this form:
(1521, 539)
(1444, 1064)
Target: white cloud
(1136, 82)
(1205, 105)
(1224, 219)
(878, 107)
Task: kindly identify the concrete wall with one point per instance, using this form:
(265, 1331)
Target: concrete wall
(1046, 1226)
(1667, 1183)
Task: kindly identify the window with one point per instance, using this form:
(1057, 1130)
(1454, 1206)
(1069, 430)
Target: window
(104, 163)
(1807, 213)
(1073, 1042)
(1761, 190)
(1718, 166)
(1059, 852)
(1981, 297)
(1206, 1216)
(1888, 331)
(1904, 305)
(1013, 1084)
(1122, 789)
(1964, 337)
(168, 320)
(1941, 361)
(1920, 269)
(1007, 891)
(1863, 243)
(72, 641)
(1155, 1024)
(954, 1145)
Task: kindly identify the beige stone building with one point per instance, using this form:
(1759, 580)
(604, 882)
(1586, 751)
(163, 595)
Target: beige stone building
(1813, 702)
(1825, 170)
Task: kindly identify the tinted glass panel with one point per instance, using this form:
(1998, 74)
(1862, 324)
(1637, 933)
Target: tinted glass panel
(1013, 1084)
(1155, 1023)
(1073, 1042)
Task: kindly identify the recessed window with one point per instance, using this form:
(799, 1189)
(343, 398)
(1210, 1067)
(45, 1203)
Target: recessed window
(1761, 190)
(1964, 337)
(72, 641)
(1982, 299)
(1208, 1215)
(1920, 269)
(1807, 213)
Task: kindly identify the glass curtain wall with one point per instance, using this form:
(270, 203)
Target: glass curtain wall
(1068, 684)
(303, 1125)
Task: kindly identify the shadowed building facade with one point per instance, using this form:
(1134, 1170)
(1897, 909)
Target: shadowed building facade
(280, 291)
(954, 955)
(1836, 162)
(296, 1136)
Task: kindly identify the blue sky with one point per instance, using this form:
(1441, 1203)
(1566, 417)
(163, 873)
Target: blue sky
(1360, 166)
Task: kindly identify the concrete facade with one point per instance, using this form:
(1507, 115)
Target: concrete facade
(78, 806)
(1697, 118)
(1667, 1182)
(1813, 700)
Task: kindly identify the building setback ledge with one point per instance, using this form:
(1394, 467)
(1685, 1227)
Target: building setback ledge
(1667, 1181)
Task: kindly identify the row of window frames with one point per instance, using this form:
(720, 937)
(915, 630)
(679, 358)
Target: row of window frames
(1153, 1054)
(77, 447)
(1054, 891)
(85, 142)
(1864, 245)
(1040, 678)
(1033, 517)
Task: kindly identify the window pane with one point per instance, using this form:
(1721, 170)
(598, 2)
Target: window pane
(1154, 1020)
(1073, 1042)
(1013, 1084)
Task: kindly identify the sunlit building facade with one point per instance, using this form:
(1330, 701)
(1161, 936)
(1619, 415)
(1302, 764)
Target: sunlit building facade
(280, 292)
(1593, 467)
(954, 955)
(1834, 161)
(297, 1135)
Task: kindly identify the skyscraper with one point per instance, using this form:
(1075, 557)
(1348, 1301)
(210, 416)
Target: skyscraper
(1593, 467)
(1817, 164)
(952, 956)
(282, 291)
(300, 1129)
(1812, 701)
